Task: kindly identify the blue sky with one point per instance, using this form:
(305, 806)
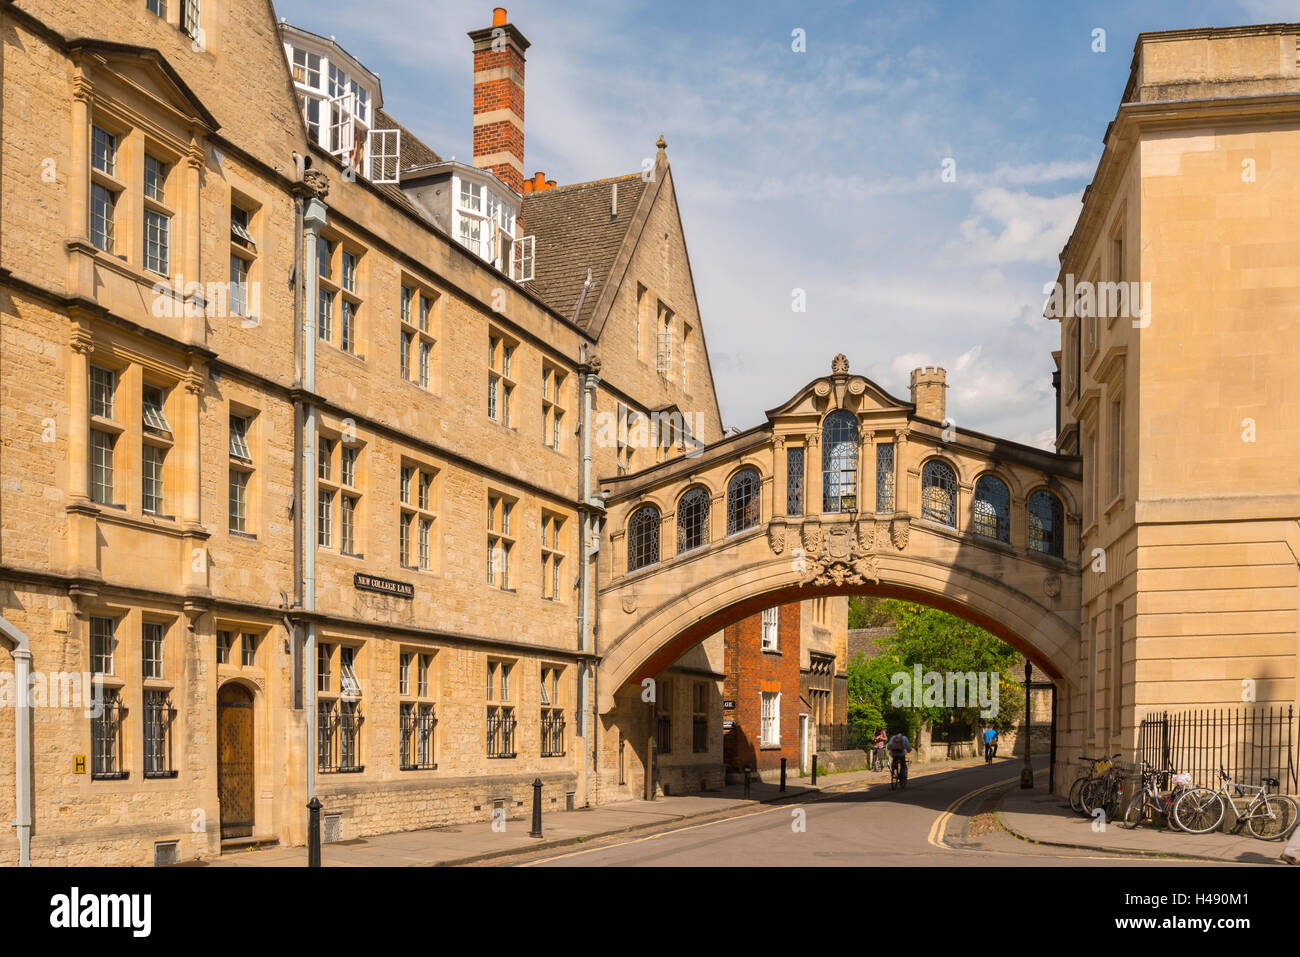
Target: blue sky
(819, 170)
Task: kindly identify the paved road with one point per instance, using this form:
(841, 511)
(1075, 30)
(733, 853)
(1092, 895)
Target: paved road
(940, 819)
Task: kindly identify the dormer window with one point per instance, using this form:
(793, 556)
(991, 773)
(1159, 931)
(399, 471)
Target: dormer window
(337, 96)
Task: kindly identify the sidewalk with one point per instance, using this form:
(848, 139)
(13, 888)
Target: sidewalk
(477, 841)
(1047, 819)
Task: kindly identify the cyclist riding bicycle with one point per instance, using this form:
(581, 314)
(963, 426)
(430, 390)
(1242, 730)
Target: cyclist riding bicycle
(898, 748)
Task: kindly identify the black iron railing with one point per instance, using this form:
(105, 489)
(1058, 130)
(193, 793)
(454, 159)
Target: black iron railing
(552, 733)
(1248, 743)
(843, 737)
(417, 724)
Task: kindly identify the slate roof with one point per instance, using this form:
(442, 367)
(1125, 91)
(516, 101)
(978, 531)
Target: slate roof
(575, 232)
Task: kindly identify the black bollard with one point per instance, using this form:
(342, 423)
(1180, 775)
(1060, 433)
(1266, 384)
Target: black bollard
(313, 832)
(537, 809)
(783, 774)
(746, 782)
(814, 769)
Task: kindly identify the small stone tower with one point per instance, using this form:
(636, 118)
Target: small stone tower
(928, 385)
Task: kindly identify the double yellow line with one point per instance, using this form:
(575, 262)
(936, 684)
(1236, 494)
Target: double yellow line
(935, 837)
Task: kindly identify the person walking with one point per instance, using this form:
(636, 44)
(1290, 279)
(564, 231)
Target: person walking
(878, 749)
(990, 744)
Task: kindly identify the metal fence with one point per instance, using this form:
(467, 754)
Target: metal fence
(1248, 743)
(843, 737)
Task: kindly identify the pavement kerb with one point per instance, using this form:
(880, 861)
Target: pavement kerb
(1128, 852)
(809, 793)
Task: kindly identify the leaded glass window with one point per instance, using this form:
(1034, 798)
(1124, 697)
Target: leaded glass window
(840, 462)
(992, 508)
(643, 538)
(939, 493)
(885, 477)
(693, 520)
(794, 480)
(1046, 524)
(743, 501)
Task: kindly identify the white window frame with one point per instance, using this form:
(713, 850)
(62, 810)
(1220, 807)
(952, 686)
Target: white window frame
(770, 629)
(346, 126)
(523, 259)
(769, 720)
(384, 147)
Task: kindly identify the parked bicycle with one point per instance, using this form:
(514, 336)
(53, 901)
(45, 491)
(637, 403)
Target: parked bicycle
(1154, 804)
(1096, 768)
(1270, 817)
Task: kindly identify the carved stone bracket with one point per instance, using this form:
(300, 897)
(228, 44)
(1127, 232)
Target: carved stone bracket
(900, 528)
(839, 555)
(776, 537)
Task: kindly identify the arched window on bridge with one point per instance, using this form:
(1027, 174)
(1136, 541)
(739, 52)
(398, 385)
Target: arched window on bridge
(643, 538)
(693, 520)
(1046, 524)
(742, 501)
(840, 462)
(939, 493)
(992, 508)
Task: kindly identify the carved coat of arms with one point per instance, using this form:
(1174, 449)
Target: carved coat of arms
(841, 554)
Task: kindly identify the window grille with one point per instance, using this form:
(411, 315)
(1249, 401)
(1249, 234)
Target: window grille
(1046, 524)
(417, 726)
(501, 733)
(939, 493)
(158, 717)
(643, 538)
(992, 517)
(885, 477)
(106, 738)
(743, 501)
(794, 480)
(693, 520)
(840, 462)
(552, 733)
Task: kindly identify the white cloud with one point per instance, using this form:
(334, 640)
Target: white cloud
(1015, 226)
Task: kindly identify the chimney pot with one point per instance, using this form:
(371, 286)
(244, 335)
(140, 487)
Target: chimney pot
(498, 16)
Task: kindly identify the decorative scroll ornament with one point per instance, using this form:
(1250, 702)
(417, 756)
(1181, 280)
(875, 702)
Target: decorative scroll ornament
(839, 556)
(899, 530)
(776, 537)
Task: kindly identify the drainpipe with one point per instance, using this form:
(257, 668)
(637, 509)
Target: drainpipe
(589, 368)
(22, 656)
(313, 220)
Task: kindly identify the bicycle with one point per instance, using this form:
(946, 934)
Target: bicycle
(1093, 772)
(897, 772)
(1270, 817)
(1104, 793)
(1151, 802)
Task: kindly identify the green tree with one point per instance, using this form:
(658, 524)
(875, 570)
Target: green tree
(938, 642)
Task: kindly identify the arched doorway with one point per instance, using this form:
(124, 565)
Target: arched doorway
(235, 760)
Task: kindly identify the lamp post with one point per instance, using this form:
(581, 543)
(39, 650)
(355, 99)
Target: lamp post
(1027, 772)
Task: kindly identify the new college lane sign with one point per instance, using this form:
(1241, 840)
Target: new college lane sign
(385, 586)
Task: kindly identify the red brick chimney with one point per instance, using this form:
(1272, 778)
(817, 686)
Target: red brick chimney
(499, 99)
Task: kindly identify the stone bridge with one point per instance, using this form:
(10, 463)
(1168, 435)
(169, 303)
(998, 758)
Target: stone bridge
(843, 490)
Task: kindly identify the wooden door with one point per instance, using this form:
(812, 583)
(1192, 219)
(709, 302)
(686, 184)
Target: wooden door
(235, 760)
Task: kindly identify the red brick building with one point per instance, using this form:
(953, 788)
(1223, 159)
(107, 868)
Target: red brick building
(761, 661)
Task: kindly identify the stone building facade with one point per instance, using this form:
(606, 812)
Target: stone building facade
(1179, 342)
(304, 481)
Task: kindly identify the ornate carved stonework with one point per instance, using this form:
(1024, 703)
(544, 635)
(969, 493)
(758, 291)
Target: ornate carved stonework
(899, 530)
(317, 182)
(776, 537)
(882, 535)
(840, 364)
(629, 601)
(811, 533)
(1052, 586)
(839, 557)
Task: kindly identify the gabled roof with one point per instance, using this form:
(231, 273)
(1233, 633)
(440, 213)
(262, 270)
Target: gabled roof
(576, 232)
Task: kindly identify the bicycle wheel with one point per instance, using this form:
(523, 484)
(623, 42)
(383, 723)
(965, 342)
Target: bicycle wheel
(1199, 811)
(1076, 791)
(1089, 794)
(1139, 810)
(1274, 818)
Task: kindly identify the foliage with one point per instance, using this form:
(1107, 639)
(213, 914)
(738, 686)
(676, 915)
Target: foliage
(938, 642)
